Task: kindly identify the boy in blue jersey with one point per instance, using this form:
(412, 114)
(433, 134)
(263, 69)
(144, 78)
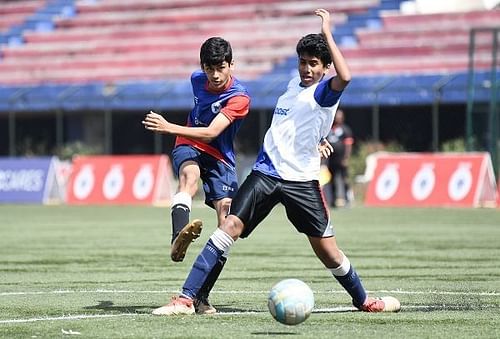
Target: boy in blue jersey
(204, 149)
(287, 172)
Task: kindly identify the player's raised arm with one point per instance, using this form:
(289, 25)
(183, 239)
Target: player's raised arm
(343, 77)
(157, 123)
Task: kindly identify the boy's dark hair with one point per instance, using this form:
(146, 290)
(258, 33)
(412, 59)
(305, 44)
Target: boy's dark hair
(315, 45)
(215, 51)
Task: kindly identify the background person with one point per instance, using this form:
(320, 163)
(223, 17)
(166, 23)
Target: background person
(341, 138)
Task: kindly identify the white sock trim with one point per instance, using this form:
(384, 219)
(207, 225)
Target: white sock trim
(182, 198)
(343, 269)
(182, 295)
(222, 240)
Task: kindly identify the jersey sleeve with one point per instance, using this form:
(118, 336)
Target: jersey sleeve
(237, 107)
(325, 96)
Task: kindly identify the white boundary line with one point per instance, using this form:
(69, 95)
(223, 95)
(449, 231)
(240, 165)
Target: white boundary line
(103, 291)
(67, 317)
(324, 310)
(316, 310)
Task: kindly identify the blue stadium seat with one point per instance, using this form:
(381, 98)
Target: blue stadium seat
(80, 72)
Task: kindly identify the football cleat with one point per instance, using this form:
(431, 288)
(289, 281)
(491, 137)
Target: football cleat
(185, 237)
(177, 306)
(203, 306)
(384, 304)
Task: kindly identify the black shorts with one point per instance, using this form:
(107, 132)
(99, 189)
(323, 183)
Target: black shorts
(303, 201)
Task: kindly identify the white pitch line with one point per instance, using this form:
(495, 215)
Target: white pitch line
(102, 291)
(492, 293)
(230, 313)
(316, 310)
(67, 317)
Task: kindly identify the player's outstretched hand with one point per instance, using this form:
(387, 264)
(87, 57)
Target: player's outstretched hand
(325, 20)
(156, 123)
(325, 148)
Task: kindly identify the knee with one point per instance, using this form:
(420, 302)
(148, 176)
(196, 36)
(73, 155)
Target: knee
(233, 226)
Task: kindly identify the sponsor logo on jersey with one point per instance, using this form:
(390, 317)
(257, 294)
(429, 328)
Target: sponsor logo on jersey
(198, 122)
(227, 188)
(281, 111)
(216, 107)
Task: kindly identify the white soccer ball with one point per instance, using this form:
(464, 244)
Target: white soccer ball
(290, 301)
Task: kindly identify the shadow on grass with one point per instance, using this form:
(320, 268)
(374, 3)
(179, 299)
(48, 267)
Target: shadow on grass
(448, 307)
(109, 306)
(275, 333)
(235, 310)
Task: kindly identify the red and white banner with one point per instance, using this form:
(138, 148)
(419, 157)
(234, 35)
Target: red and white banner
(433, 179)
(128, 179)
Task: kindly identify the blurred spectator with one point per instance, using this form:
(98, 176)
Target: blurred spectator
(341, 138)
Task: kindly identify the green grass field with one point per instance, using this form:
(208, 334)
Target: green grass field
(99, 271)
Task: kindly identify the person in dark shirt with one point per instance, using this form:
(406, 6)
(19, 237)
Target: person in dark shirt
(341, 138)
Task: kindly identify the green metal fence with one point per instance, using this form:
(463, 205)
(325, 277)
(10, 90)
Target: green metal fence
(483, 124)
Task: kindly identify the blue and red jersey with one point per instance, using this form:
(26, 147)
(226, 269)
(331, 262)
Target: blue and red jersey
(233, 102)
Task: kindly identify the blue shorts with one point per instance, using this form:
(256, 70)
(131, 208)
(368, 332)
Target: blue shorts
(219, 180)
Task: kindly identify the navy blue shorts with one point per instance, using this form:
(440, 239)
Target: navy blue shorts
(304, 204)
(219, 180)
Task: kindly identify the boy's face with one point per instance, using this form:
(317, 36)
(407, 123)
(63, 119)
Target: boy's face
(311, 70)
(219, 75)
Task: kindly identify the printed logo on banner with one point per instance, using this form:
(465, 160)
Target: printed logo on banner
(84, 182)
(113, 182)
(25, 180)
(423, 182)
(387, 182)
(143, 182)
(460, 182)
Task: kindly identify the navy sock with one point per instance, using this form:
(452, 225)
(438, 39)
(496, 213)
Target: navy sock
(211, 278)
(353, 286)
(203, 265)
(180, 218)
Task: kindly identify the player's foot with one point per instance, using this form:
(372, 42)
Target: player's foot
(177, 306)
(203, 306)
(187, 235)
(384, 304)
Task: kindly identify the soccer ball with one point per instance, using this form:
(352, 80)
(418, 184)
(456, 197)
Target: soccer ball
(290, 301)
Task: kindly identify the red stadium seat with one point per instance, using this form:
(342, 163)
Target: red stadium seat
(158, 38)
(432, 43)
(21, 7)
(155, 39)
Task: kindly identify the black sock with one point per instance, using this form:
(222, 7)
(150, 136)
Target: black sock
(180, 218)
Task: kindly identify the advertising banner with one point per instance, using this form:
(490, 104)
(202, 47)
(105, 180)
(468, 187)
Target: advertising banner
(433, 179)
(128, 179)
(26, 180)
